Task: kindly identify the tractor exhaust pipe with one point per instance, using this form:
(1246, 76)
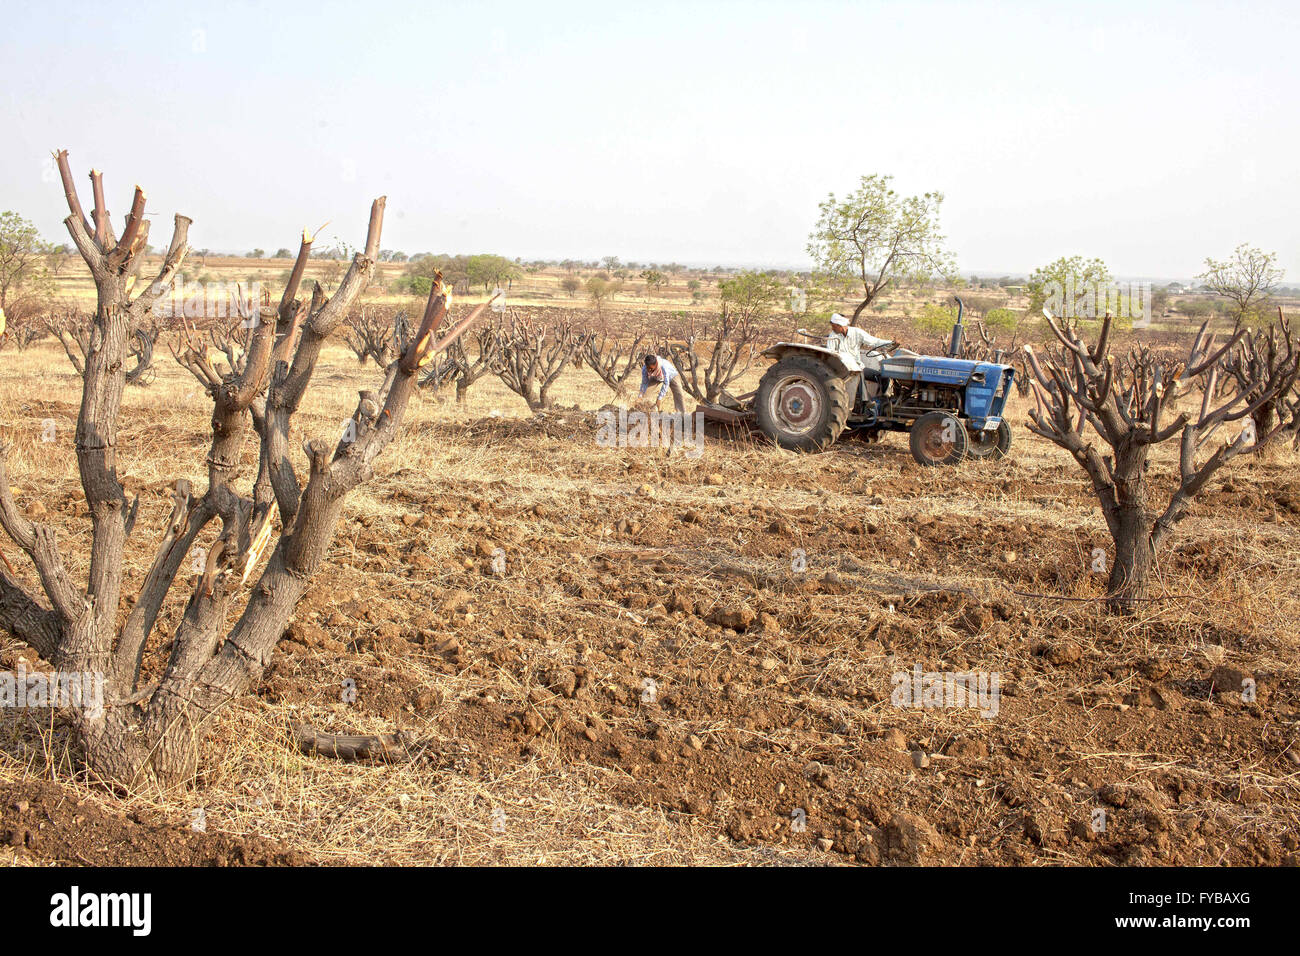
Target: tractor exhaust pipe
(954, 346)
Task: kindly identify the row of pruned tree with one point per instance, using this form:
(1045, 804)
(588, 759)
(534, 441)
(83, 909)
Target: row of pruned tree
(529, 355)
(75, 331)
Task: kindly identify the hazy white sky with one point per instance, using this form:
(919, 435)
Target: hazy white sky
(1149, 134)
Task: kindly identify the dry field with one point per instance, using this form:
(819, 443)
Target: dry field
(651, 681)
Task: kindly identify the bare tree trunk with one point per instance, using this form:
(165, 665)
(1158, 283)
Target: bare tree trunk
(862, 307)
(1130, 575)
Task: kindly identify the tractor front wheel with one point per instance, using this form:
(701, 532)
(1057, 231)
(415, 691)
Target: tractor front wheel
(991, 444)
(939, 438)
(802, 404)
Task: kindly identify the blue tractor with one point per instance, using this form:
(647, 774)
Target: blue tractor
(950, 407)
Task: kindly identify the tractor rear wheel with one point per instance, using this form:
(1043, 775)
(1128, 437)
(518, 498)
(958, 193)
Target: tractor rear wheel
(938, 438)
(802, 404)
(994, 444)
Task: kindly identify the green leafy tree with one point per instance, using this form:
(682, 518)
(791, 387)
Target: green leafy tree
(751, 296)
(1002, 319)
(453, 268)
(654, 280)
(23, 271)
(876, 238)
(489, 270)
(1246, 280)
(1065, 286)
(936, 319)
(598, 292)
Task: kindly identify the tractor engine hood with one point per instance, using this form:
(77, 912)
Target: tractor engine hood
(946, 371)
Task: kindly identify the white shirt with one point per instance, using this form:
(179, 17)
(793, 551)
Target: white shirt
(852, 344)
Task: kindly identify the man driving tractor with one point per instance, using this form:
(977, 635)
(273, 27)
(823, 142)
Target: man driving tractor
(851, 341)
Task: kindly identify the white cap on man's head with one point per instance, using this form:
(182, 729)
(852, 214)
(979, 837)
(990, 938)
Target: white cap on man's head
(837, 319)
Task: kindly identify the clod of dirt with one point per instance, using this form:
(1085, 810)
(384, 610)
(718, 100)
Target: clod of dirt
(445, 646)
(895, 739)
(1040, 827)
(908, 838)
(1061, 652)
(1225, 677)
(966, 750)
(1113, 795)
(738, 617)
(1248, 794)
(1161, 698)
(715, 479)
(680, 602)
(563, 681)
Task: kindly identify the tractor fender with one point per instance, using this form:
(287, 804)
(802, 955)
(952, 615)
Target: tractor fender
(832, 358)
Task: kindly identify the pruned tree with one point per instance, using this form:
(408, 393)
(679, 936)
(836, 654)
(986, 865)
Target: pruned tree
(233, 338)
(457, 365)
(1130, 405)
(532, 357)
(197, 353)
(372, 335)
(155, 730)
(613, 359)
(194, 349)
(73, 329)
(21, 327)
(710, 360)
(1263, 355)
